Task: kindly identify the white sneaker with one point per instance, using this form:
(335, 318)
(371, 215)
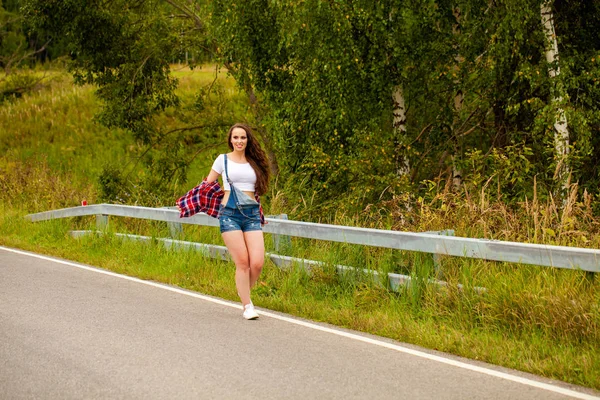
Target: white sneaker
(250, 312)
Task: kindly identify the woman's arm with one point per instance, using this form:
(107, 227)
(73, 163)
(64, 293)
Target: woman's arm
(212, 176)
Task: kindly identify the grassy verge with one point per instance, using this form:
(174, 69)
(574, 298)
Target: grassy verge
(534, 319)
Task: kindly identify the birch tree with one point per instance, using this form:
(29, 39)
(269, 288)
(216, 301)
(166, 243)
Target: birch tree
(561, 130)
(399, 123)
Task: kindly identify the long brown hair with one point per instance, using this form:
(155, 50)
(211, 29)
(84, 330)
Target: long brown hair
(256, 157)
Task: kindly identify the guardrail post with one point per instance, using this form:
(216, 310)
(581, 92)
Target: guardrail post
(175, 228)
(282, 243)
(437, 257)
(101, 221)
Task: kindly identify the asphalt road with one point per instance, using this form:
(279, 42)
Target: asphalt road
(69, 331)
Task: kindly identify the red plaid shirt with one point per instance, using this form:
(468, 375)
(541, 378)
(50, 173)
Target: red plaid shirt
(206, 198)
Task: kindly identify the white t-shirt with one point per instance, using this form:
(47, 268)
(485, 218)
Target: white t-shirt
(242, 175)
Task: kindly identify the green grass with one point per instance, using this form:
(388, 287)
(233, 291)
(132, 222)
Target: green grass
(534, 319)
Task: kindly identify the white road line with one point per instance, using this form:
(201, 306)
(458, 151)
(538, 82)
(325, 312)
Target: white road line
(417, 353)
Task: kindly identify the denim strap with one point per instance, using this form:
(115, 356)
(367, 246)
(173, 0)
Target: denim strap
(227, 172)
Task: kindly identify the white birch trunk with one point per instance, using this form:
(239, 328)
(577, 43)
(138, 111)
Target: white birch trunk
(561, 133)
(403, 167)
(399, 112)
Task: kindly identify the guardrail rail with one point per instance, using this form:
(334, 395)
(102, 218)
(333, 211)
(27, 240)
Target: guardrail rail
(434, 243)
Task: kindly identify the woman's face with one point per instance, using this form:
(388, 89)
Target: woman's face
(239, 139)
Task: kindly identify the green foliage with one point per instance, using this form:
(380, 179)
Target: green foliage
(577, 28)
(19, 45)
(15, 85)
(317, 97)
(125, 49)
(111, 185)
(12, 38)
(473, 75)
(122, 47)
(511, 170)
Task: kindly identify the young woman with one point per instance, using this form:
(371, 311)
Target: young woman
(245, 172)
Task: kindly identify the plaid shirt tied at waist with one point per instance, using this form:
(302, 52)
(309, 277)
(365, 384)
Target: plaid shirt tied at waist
(206, 198)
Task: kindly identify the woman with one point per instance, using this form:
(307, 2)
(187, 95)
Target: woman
(245, 173)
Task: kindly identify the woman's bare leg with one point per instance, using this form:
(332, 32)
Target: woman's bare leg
(255, 244)
(234, 240)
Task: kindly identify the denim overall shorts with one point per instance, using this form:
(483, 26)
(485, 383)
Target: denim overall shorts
(241, 213)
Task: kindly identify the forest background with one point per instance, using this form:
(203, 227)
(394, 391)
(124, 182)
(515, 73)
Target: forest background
(363, 101)
(477, 116)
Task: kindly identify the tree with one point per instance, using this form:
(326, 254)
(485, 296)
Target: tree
(561, 136)
(329, 106)
(577, 26)
(125, 48)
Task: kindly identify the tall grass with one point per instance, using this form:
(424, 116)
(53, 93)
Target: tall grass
(482, 213)
(535, 319)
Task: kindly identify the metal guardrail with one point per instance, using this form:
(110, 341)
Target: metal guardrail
(493, 250)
